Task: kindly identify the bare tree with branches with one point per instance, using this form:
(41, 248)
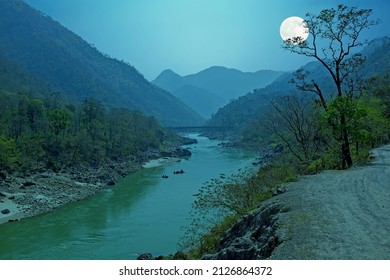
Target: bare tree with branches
(334, 37)
(293, 120)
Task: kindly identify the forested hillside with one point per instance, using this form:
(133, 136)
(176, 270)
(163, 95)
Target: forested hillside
(38, 134)
(241, 113)
(48, 51)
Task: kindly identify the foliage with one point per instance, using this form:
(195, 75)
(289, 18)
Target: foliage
(36, 133)
(334, 35)
(222, 201)
(46, 53)
(8, 154)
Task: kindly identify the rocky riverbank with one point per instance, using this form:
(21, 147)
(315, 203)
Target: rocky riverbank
(30, 194)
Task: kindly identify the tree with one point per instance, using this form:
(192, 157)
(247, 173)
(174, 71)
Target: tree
(334, 37)
(8, 153)
(59, 119)
(294, 120)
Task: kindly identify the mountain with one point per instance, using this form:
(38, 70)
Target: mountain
(14, 79)
(169, 80)
(241, 112)
(231, 83)
(201, 100)
(213, 87)
(44, 49)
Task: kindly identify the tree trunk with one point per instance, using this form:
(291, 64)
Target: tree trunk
(345, 150)
(346, 154)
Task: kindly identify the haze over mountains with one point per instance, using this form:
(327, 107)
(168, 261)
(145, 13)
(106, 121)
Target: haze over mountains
(58, 60)
(213, 87)
(241, 112)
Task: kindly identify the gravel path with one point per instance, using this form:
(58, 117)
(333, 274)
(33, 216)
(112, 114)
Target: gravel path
(338, 214)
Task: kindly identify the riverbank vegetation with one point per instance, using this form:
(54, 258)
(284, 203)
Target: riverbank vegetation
(319, 126)
(47, 133)
(308, 147)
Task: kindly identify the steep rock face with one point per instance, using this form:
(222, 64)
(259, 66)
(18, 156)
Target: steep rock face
(252, 237)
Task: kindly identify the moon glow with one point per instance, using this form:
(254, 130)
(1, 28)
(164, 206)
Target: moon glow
(293, 27)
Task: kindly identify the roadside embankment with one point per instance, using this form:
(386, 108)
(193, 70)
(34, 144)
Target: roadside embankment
(331, 215)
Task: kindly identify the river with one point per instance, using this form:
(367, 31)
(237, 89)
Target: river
(142, 213)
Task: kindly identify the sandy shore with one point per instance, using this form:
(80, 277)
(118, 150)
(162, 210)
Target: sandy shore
(160, 162)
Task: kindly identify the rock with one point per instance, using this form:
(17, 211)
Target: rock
(5, 211)
(145, 256)
(106, 179)
(166, 154)
(252, 237)
(111, 182)
(188, 141)
(180, 152)
(279, 191)
(3, 175)
(28, 184)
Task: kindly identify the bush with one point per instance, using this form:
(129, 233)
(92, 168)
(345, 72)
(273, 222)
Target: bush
(8, 154)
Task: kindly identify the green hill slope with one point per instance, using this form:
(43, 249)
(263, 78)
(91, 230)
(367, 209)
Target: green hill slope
(43, 48)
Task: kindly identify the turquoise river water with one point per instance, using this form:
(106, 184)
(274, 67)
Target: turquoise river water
(142, 213)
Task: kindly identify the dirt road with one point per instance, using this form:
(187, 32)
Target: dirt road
(338, 214)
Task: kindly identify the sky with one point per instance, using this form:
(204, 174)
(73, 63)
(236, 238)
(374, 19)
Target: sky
(188, 36)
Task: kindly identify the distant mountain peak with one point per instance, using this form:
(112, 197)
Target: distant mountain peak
(168, 72)
(169, 80)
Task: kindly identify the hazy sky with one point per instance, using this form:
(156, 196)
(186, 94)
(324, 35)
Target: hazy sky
(188, 36)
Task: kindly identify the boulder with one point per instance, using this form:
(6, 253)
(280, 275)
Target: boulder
(279, 191)
(5, 211)
(188, 141)
(183, 152)
(252, 237)
(111, 182)
(28, 184)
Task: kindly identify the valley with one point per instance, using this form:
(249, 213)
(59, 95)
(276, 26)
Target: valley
(97, 162)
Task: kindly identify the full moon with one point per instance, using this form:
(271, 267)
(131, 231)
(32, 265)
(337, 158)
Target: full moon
(293, 27)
